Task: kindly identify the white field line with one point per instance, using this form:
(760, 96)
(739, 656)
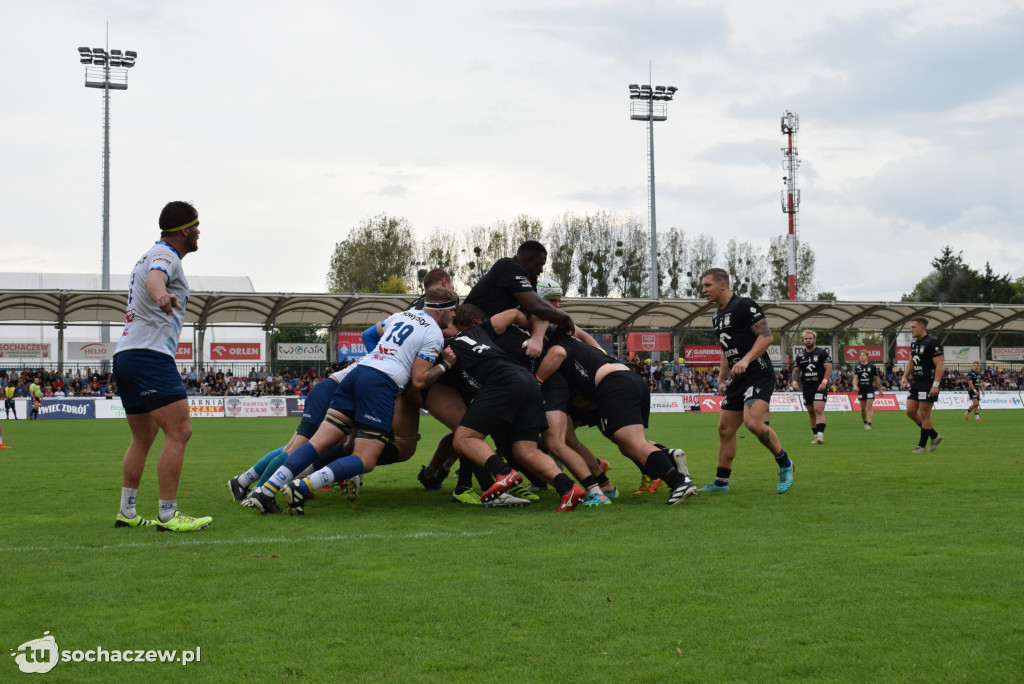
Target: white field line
(247, 540)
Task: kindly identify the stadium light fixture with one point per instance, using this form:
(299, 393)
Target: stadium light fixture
(649, 103)
(106, 69)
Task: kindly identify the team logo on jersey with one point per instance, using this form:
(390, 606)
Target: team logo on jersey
(726, 321)
(581, 370)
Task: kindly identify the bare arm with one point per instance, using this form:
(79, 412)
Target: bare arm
(584, 336)
(828, 376)
(501, 321)
(531, 303)
(156, 288)
(424, 374)
(907, 371)
(940, 366)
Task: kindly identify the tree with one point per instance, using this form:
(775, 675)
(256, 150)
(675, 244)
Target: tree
(673, 256)
(630, 272)
(563, 241)
(378, 249)
(953, 280)
(745, 267)
(703, 252)
(440, 250)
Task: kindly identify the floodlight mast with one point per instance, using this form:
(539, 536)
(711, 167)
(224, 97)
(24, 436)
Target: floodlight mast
(649, 103)
(106, 69)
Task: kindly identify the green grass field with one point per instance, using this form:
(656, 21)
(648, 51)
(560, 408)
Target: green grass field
(878, 565)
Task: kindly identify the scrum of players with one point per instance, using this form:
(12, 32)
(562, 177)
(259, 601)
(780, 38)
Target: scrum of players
(506, 363)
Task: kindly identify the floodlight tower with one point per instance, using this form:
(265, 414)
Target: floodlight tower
(791, 195)
(106, 69)
(649, 103)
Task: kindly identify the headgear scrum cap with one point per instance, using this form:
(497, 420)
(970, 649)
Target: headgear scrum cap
(548, 288)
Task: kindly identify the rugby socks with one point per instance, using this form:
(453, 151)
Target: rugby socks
(722, 476)
(659, 465)
(274, 464)
(168, 509)
(590, 484)
(925, 434)
(253, 474)
(563, 484)
(128, 502)
(482, 476)
(782, 459)
(464, 475)
(338, 471)
(496, 465)
(389, 455)
(821, 429)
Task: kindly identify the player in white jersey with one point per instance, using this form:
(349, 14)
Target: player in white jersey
(410, 344)
(152, 392)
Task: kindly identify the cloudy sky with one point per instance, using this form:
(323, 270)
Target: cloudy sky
(289, 123)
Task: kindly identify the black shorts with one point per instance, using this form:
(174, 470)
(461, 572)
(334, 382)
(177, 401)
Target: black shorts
(583, 412)
(623, 398)
(556, 394)
(8, 403)
(813, 394)
(919, 392)
(972, 395)
(513, 399)
(748, 386)
(865, 393)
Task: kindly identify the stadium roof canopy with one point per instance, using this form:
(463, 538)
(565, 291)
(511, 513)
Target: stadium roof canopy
(87, 306)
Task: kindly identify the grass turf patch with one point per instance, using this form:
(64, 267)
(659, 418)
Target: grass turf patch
(878, 564)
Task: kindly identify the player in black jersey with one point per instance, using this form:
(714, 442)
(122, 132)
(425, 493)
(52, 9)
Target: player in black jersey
(813, 368)
(623, 402)
(866, 379)
(744, 335)
(974, 391)
(507, 398)
(923, 376)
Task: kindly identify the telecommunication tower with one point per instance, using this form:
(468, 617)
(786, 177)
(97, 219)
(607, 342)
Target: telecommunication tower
(791, 195)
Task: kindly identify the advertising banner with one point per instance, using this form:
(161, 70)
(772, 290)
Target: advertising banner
(350, 345)
(607, 342)
(1001, 400)
(649, 342)
(25, 350)
(301, 351)
(109, 408)
(206, 407)
(235, 351)
(296, 405)
(184, 352)
(235, 407)
(902, 356)
(91, 351)
(775, 354)
(710, 403)
(953, 354)
(787, 401)
(22, 407)
(65, 408)
(838, 401)
(673, 403)
(883, 402)
(851, 354)
(702, 354)
(1007, 353)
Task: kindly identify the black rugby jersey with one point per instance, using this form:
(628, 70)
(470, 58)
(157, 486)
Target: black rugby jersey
(812, 365)
(581, 362)
(733, 326)
(495, 292)
(923, 352)
(479, 356)
(866, 374)
(975, 377)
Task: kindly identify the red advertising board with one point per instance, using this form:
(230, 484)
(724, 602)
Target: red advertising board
(902, 354)
(649, 342)
(350, 345)
(184, 352)
(235, 351)
(702, 354)
(852, 354)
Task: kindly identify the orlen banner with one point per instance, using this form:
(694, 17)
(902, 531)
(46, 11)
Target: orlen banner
(649, 342)
(350, 345)
(902, 355)
(235, 351)
(301, 351)
(852, 354)
(953, 354)
(91, 351)
(1008, 353)
(702, 354)
(24, 350)
(184, 352)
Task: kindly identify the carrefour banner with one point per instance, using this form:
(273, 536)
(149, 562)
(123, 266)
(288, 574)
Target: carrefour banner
(53, 409)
